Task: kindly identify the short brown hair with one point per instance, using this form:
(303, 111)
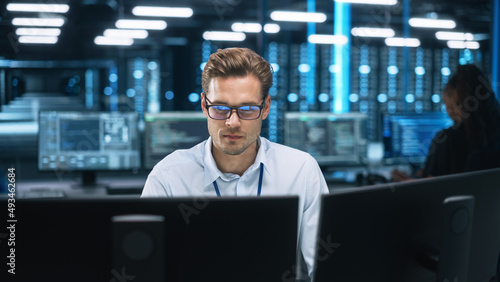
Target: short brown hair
(238, 62)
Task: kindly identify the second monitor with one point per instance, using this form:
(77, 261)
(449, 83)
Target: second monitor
(329, 138)
(168, 131)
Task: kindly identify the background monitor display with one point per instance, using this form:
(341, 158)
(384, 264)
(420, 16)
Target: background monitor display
(168, 131)
(407, 137)
(88, 142)
(329, 138)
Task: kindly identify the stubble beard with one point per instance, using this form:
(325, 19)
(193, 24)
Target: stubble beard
(232, 148)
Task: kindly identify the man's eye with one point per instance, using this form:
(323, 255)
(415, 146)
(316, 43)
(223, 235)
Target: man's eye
(249, 108)
(220, 108)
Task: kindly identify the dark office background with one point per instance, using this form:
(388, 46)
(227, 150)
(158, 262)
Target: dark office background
(162, 72)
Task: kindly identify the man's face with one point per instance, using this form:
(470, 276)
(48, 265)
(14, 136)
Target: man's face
(233, 136)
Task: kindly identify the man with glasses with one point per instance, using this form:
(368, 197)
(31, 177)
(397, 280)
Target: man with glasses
(235, 160)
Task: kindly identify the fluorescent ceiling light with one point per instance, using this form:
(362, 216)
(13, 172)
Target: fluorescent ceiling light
(481, 36)
(255, 27)
(271, 28)
(369, 2)
(55, 22)
(129, 33)
(285, 16)
(402, 42)
(246, 27)
(223, 36)
(463, 44)
(38, 39)
(446, 35)
(47, 8)
(102, 40)
(38, 31)
(327, 39)
(372, 32)
(432, 23)
(141, 24)
(162, 12)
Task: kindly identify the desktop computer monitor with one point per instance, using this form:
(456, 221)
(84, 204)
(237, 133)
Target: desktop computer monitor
(242, 239)
(407, 137)
(395, 232)
(329, 138)
(168, 131)
(88, 142)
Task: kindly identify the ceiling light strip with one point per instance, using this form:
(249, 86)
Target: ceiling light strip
(246, 27)
(149, 11)
(372, 32)
(52, 22)
(38, 31)
(127, 33)
(141, 24)
(454, 44)
(287, 16)
(38, 39)
(447, 35)
(432, 23)
(42, 8)
(402, 42)
(103, 40)
(223, 36)
(327, 39)
(369, 2)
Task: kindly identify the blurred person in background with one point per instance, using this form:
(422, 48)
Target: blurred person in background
(473, 142)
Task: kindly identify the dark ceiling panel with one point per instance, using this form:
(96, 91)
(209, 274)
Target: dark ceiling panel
(87, 19)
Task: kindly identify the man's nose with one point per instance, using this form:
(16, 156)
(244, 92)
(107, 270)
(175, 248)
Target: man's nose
(234, 119)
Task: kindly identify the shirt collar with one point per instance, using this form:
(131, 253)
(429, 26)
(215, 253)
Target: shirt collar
(212, 173)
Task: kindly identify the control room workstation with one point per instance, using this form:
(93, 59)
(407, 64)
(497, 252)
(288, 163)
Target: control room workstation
(351, 140)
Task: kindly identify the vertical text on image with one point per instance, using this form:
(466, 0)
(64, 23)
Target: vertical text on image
(11, 220)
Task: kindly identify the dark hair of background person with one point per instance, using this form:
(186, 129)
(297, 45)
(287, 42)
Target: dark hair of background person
(478, 106)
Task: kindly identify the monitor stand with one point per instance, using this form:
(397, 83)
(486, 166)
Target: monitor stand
(89, 181)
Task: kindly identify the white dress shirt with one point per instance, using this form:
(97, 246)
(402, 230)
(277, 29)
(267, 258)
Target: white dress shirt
(287, 171)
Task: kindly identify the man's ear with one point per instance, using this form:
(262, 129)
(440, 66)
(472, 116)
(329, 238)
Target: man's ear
(202, 101)
(267, 107)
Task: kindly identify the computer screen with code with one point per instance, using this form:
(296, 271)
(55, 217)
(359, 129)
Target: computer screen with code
(88, 141)
(407, 137)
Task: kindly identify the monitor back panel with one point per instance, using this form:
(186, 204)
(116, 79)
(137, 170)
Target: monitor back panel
(205, 239)
(386, 232)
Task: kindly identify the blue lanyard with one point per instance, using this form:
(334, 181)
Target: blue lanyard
(258, 189)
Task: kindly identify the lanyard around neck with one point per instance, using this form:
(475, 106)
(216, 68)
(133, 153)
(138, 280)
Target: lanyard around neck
(258, 189)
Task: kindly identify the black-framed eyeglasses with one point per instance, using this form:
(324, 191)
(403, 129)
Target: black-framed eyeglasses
(221, 112)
